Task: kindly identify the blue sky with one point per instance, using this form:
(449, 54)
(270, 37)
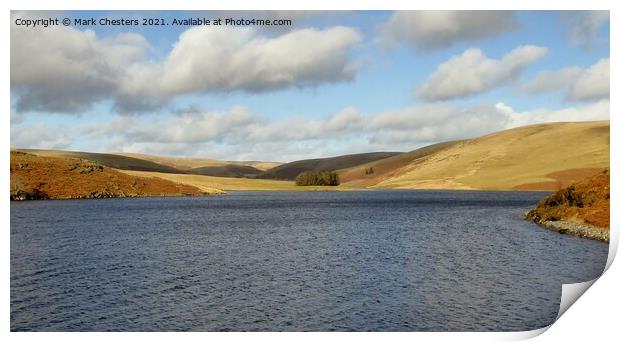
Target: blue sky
(349, 82)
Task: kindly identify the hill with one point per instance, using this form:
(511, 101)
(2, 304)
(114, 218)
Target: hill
(226, 170)
(234, 184)
(372, 173)
(186, 164)
(39, 177)
(290, 170)
(581, 208)
(538, 157)
(151, 163)
(107, 159)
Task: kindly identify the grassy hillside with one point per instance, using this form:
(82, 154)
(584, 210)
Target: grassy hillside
(289, 171)
(38, 177)
(145, 162)
(226, 170)
(586, 201)
(195, 163)
(107, 159)
(224, 183)
(537, 157)
(370, 174)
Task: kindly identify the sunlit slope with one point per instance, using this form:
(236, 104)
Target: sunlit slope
(194, 163)
(116, 161)
(372, 173)
(290, 170)
(43, 177)
(145, 162)
(227, 183)
(538, 157)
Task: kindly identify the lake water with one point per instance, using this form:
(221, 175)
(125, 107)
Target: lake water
(311, 261)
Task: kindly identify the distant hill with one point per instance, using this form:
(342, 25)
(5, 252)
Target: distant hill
(369, 174)
(185, 164)
(40, 177)
(107, 159)
(289, 171)
(538, 157)
(226, 170)
(145, 162)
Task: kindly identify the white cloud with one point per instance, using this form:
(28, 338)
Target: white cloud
(431, 30)
(225, 59)
(59, 69)
(39, 135)
(473, 73)
(582, 27)
(577, 83)
(593, 83)
(551, 80)
(62, 69)
(595, 111)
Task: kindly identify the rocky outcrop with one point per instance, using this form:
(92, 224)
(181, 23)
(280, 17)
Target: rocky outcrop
(36, 177)
(581, 209)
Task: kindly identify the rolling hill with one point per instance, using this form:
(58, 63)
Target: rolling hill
(290, 170)
(369, 174)
(185, 164)
(44, 177)
(145, 162)
(226, 170)
(107, 159)
(538, 157)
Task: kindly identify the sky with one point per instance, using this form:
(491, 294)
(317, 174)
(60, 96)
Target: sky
(331, 83)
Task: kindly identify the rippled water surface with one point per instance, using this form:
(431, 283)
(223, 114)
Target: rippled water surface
(352, 261)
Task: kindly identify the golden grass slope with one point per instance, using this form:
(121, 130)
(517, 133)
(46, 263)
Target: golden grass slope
(521, 158)
(227, 183)
(192, 163)
(374, 172)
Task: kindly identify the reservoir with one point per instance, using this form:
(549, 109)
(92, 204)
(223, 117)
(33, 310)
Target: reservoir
(292, 261)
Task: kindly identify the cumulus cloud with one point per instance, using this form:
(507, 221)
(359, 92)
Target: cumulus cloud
(62, 69)
(473, 73)
(432, 30)
(577, 83)
(206, 59)
(594, 111)
(593, 83)
(239, 133)
(39, 135)
(582, 27)
(59, 69)
(551, 80)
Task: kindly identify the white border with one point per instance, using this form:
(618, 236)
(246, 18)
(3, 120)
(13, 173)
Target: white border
(593, 317)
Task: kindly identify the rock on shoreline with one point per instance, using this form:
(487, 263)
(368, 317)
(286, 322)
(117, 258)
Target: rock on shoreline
(578, 229)
(581, 209)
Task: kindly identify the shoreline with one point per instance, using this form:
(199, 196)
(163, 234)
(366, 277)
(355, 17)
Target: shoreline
(582, 230)
(91, 197)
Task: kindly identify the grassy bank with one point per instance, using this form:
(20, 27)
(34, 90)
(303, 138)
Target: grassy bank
(232, 184)
(580, 209)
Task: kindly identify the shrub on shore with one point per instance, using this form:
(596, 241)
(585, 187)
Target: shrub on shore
(323, 178)
(586, 201)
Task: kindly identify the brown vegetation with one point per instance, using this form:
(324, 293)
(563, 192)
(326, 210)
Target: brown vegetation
(586, 201)
(38, 177)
